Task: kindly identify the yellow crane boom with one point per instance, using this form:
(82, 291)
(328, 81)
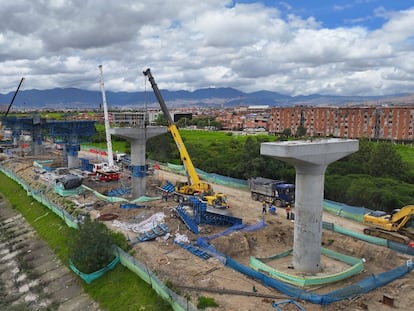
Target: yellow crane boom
(194, 184)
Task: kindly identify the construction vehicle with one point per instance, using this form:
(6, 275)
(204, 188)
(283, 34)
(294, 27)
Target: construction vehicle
(105, 171)
(277, 192)
(193, 186)
(107, 176)
(9, 107)
(393, 226)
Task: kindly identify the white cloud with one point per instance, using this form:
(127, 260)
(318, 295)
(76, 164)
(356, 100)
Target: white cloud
(195, 44)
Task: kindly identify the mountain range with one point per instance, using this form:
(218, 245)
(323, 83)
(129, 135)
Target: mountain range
(73, 98)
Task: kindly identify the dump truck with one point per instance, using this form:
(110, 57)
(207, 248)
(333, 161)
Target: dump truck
(391, 226)
(277, 192)
(193, 186)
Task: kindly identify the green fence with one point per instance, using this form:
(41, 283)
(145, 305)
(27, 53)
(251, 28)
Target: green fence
(356, 266)
(177, 302)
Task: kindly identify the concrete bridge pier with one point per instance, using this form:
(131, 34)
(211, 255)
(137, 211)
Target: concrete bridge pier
(310, 159)
(73, 155)
(138, 138)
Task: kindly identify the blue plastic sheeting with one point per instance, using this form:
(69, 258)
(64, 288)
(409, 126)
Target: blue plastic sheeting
(194, 250)
(364, 286)
(287, 301)
(239, 227)
(118, 192)
(203, 241)
(211, 250)
(402, 248)
(130, 205)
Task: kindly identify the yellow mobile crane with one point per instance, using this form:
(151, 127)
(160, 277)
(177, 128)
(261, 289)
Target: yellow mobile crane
(390, 226)
(193, 186)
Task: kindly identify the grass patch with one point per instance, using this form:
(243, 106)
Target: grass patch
(206, 302)
(407, 155)
(119, 289)
(208, 137)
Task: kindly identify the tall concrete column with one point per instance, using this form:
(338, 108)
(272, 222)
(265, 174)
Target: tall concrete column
(310, 159)
(138, 138)
(72, 152)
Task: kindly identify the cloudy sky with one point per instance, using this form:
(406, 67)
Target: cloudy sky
(295, 47)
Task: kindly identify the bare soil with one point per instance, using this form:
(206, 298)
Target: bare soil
(233, 290)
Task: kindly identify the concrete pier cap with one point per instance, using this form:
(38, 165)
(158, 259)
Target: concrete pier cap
(138, 136)
(310, 159)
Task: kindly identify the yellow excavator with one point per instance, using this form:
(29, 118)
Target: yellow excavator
(391, 226)
(194, 186)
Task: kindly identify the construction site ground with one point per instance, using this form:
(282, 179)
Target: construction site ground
(193, 276)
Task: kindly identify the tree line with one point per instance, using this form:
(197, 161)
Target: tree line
(374, 177)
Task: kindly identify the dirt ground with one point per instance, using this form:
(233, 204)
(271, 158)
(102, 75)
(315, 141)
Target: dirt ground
(230, 289)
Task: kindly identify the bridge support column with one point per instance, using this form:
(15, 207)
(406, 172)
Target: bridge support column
(73, 158)
(310, 159)
(138, 138)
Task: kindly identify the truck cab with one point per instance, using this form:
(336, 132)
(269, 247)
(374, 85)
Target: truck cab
(278, 192)
(285, 194)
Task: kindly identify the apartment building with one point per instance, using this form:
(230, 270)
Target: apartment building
(390, 123)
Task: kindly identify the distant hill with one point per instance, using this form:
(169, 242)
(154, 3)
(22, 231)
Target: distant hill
(60, 98)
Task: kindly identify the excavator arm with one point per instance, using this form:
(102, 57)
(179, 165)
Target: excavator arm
(400, 218)
(390, 227)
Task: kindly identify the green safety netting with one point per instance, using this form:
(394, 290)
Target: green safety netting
(209, 177)
(177, 302)
(113, 199)
(89, 277)
(356, 266)
(60, 189)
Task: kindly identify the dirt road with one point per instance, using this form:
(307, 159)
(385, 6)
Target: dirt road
(175, 265)
(278, 236)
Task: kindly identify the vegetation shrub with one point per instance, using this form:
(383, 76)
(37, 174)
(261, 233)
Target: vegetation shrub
(119, 239)
(90, 247)
(206, 302)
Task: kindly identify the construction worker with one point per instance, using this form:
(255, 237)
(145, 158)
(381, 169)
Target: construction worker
(288, 211)
(264, 209)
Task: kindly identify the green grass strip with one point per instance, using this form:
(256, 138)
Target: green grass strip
(119, 289)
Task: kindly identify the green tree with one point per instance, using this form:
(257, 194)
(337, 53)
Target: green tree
(385, 162)
(161, 120)
(301, 131)
(90, 248)
(287, 132)
(162, 148)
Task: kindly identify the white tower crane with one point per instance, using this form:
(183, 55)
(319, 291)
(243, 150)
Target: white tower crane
(106, 118)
